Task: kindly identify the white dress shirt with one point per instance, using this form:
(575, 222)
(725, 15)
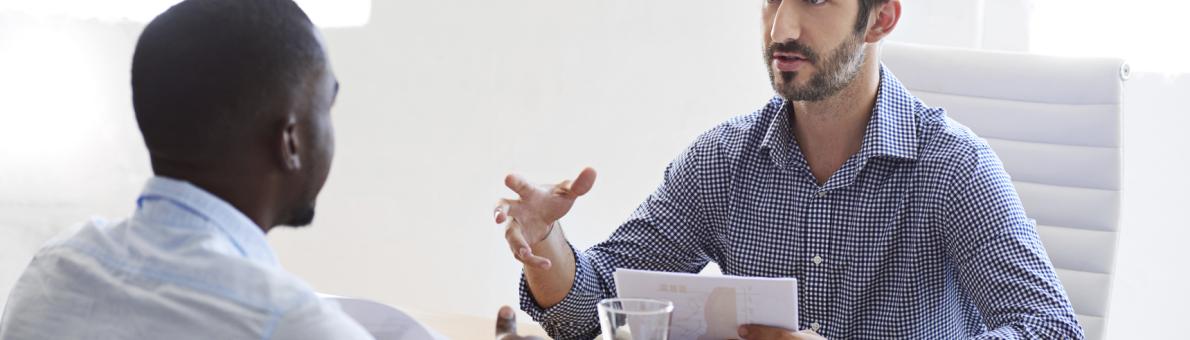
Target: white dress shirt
(186, 265)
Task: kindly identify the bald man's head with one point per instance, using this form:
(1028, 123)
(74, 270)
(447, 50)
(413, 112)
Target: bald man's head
(207, 74)
(234, 96)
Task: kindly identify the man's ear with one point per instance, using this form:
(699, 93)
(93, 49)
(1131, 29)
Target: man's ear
(884, 21)
(291, 144)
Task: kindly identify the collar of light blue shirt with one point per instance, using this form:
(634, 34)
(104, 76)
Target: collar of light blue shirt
(187, 201)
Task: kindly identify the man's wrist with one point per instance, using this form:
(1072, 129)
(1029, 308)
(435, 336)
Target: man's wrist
(553, 242)
(548, 234)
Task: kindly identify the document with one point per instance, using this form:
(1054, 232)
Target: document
(713, 307)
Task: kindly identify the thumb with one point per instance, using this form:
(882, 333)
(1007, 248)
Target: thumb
(582, 184)
(505, 321)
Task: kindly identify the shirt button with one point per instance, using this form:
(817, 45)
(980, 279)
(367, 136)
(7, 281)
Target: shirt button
(822, 193)
(815, 326)
(817, 259)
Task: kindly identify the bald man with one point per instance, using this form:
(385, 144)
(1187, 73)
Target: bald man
(233, 99)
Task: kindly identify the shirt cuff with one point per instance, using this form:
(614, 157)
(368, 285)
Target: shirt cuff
(575, 316)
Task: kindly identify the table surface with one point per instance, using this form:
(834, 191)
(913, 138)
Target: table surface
(467, 327)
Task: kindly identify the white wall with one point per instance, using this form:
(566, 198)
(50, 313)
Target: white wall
(1152, 265)
(995, 24)
(956, 23)
(68, 142)
(441, 98)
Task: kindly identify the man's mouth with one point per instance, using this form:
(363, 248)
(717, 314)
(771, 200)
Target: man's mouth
(789, 61)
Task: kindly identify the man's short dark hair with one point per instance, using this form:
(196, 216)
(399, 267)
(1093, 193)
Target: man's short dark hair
(206, 73)
(865, 8)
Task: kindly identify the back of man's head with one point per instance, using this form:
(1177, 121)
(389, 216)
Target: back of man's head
(208, 74)
(234, 96)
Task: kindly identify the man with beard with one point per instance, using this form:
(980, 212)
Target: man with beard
(898, 222)
(233, 100)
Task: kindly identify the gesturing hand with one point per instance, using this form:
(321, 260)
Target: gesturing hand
(533, 215)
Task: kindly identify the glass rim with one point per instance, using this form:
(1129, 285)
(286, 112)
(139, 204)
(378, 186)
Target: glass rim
(663, 306)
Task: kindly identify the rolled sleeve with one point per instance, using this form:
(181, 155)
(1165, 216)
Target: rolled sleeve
(574, 317)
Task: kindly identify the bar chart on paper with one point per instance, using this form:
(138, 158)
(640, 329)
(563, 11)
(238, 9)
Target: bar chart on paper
(712, 307)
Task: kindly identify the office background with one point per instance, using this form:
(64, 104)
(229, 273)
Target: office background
(441, 98)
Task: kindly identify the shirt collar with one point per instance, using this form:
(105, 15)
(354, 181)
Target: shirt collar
(186, 200)
(778, 139)
(891, 132)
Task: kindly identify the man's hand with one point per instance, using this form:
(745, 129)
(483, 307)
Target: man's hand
(758, 332)
(506, 326)
(533, 215)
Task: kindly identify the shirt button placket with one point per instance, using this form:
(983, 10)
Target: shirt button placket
(820, 220)
(815, 246)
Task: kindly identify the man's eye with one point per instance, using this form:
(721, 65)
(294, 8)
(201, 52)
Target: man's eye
(816, 2)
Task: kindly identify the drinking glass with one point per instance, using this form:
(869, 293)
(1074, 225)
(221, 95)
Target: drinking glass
(634, 319)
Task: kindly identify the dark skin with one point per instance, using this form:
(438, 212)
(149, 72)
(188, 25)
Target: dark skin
(271, 178)
(506, 326)
(274, 177)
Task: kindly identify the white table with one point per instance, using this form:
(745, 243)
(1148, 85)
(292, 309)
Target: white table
(467, 327)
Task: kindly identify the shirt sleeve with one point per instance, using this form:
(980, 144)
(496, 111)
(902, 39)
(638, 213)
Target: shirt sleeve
(312, 318)
(665, 233)
(1001, 262)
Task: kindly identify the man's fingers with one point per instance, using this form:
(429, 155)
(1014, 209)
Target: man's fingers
(516, 241)
(521, 250)
(505, 321)
(535, 261)
(569, 189)
(807, 335)
(582, 184)
(518, 185)
(764, 332)
(501, 212)
(504, 209)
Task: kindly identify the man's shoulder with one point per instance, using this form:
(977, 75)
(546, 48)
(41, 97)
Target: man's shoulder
(946, 139)
(126, 258)
(104, 272)
(741, 131)
(950, 147)
(76, 242)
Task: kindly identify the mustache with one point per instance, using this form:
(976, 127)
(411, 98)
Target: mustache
(791, 46)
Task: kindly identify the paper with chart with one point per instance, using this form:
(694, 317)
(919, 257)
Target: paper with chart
(712, 307)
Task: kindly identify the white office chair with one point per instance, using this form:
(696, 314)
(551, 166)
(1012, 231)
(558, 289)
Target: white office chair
(1055, 123)
(384, 322)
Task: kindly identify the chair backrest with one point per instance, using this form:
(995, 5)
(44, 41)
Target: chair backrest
(1055, 123)
(384, 322)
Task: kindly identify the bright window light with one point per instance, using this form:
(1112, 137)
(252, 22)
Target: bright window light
(324, 13)
(1147, 33)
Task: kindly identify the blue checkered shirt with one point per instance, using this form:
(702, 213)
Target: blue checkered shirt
(919, 235)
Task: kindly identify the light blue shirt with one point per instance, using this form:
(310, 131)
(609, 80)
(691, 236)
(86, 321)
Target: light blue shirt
(186, 265)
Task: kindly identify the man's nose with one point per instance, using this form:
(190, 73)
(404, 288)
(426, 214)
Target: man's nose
(786, 24)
